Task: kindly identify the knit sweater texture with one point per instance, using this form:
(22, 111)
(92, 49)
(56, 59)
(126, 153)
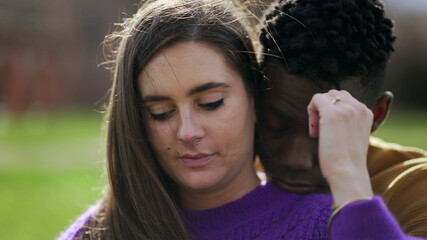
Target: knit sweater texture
(265, 213)
(268, 213)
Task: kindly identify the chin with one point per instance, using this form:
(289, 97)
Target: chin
(303, 188)
(201, 182)
(296, 189)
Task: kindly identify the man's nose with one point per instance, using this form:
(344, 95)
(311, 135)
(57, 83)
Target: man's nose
(190, 129)
(300, 153)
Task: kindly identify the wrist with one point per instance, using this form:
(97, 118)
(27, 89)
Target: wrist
(350, 185)
(337, 208)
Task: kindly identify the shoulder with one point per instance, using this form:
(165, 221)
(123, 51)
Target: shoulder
(389, 162)
(307, 205)
(267, 212)
(393, 167)
(383, 155)
(72, 231)
(399, 175)
(314, 209)
(305, 217)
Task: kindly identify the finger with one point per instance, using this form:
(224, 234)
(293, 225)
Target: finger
(314, 109)
(342, 95)
(313, 122)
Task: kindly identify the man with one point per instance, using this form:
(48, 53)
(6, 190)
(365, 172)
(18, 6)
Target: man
(312, 46)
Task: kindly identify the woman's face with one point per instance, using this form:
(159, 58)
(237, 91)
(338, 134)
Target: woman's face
(200, 118)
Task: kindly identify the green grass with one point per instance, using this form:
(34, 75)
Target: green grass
(408, 128)
(63, 140)
(50, 171)
(51, 167)
(42, 127)
(40, 204)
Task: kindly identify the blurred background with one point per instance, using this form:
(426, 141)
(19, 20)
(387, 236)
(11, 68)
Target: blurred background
(52, 92)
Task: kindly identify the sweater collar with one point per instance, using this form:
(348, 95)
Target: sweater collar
(265, 196)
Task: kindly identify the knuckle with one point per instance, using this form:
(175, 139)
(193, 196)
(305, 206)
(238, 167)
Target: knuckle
(345, 92)
(317, 96)
(368, 113)
(333, 92)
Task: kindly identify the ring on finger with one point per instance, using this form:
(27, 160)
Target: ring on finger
(335, 100)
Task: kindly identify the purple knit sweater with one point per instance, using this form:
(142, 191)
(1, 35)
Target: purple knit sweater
(270, 213)
(265, 213)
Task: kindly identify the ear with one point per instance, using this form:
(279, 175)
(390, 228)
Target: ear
(381, 109)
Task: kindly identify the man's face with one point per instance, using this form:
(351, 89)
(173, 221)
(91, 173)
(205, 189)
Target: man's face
(288, 153)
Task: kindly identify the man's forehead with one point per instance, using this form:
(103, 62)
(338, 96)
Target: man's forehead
(300, 87)
(284, 85)
(286, 96)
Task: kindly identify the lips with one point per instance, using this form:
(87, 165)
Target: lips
(295, 187)
(196, 160)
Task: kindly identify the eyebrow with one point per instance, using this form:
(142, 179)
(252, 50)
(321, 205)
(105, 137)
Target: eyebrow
(195, 90)
(207, 86)
(155, 99)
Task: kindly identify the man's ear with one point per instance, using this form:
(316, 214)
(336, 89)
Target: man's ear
(381, 109)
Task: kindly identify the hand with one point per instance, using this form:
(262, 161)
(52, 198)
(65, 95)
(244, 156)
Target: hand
(342, 125)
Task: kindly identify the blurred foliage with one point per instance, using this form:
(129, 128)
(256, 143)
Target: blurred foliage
(50, 51)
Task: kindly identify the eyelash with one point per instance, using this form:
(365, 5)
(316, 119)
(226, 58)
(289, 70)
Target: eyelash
(212, 105)
(207, 106)
(161, 116)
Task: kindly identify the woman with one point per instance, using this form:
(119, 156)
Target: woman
(150, 117)
(180, 144)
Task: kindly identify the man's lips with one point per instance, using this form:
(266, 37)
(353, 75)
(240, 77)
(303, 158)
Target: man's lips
(294, 186)
(196, 160)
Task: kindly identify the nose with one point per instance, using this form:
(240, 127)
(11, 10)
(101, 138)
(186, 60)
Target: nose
(190, 129)
(300, 153)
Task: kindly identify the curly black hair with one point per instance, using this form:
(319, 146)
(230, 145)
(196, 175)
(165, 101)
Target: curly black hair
(329, 39)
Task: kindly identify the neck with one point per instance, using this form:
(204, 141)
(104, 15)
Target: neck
(202, 200)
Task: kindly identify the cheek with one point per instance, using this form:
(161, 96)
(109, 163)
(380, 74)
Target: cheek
(241, 118)
(242, 129)
(159, 136)
(234, 127)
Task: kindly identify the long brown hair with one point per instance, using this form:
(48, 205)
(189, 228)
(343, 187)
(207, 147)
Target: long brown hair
(141, 201)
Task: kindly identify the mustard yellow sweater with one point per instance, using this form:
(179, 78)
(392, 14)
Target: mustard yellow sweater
(399, 175)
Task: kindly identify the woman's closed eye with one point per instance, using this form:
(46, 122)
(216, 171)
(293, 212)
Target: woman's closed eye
(161, 116)
(210, 106)
(161, 112)
(164, 113)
